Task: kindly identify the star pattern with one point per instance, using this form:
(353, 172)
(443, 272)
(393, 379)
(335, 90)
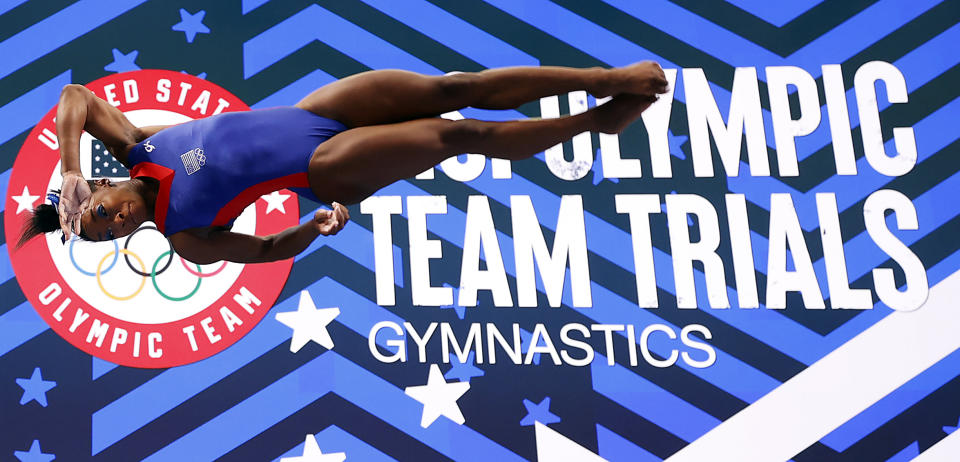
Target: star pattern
(191, 24)
(34, 454)
(123, 62)
(463, 371)
(439, 397)
(275, 201)
(25, 200)
(308, 323)
(539, 412)
(948, 430)
(676, 144)
(460, 310)
(35, 388)
(312, 453)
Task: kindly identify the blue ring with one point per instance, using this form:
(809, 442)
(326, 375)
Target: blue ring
(116, 249)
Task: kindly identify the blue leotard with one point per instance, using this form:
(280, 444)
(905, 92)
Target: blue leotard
(211, 169)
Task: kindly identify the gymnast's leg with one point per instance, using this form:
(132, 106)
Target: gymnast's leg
(356, 163)
(391, 96)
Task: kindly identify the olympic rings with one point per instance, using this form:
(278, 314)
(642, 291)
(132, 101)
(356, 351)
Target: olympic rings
(143, 280)
(115, 252)
(199, 274)
(153, 279)
(127, 244)
(154, 272)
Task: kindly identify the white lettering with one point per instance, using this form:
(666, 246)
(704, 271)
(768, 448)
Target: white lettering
(785, 230)
(705, 250)
(163, 90)
(184, 87)
(131, 93)
(382, 207)
(745, 115)
(422, 250)
(78, 318)
(864, 82)
(50, 293)
(230, 319)
(98, 330)
(638, 207)
(693, 342)
(244, 298)
(193, 341)
(110, 92)
(153, 338)
(874, 211)
(208, 329)
(785, 128)
(119, 338)
(480, 233)
(421, 342)
(569, 243)
(645, 346)
(201, 103)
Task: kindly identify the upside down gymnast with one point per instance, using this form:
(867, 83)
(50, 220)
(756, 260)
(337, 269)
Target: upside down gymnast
(340, 144)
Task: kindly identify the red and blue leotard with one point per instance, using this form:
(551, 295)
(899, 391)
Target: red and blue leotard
(211, 169)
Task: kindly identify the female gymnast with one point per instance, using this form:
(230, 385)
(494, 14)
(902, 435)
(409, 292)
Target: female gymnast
(340, 144)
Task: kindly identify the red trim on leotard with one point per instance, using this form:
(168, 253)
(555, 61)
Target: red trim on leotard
(165, 176)
(246, 197)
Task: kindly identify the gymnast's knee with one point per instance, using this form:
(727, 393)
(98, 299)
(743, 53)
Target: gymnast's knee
(459, 135)
(458, 86)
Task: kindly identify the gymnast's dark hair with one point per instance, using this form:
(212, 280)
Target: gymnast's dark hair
(45, 218)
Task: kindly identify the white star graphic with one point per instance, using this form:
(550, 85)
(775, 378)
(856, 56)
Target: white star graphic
(439, 397)
(309, 323)
(275, 201)
(24, 200)
(312, 453)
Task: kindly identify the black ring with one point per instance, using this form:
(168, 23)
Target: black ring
(126, 257)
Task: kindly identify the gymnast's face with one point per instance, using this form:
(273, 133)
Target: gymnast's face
(115, 210)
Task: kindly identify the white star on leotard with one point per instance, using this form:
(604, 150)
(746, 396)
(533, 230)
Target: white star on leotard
(275, 201)
(309, 323)
(25, 200)
(439, 397)
(312, 453)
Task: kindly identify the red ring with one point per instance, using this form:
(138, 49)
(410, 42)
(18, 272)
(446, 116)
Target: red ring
(198, 274)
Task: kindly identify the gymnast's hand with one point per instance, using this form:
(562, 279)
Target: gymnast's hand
(74, 200)
(330, 222)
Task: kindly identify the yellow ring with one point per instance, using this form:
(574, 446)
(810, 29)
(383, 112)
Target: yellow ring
(143, 279)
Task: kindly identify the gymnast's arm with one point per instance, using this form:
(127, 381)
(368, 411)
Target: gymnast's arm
(211, 245)
(79, 109)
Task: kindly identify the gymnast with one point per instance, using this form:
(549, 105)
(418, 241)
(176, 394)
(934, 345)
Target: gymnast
(339, 145)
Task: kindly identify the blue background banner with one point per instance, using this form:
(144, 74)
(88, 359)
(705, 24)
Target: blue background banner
(257, 400)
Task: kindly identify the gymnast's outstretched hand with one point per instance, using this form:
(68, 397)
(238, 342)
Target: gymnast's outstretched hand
(74, 200)
(330, 222)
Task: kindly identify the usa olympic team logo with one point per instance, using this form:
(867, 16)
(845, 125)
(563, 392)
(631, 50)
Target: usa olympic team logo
(133, 301)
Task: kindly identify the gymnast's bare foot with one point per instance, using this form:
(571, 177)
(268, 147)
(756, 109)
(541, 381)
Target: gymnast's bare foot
(615, 115)
(643, 78)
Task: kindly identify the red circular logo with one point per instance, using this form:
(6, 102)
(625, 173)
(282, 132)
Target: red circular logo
(133, 301)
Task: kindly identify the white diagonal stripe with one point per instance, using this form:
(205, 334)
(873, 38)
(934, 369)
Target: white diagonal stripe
(841, 385)
(552, 446)
(945, 450)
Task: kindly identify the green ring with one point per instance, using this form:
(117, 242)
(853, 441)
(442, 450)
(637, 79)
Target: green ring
(153, 279)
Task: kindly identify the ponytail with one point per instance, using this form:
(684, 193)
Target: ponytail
(45, 219)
